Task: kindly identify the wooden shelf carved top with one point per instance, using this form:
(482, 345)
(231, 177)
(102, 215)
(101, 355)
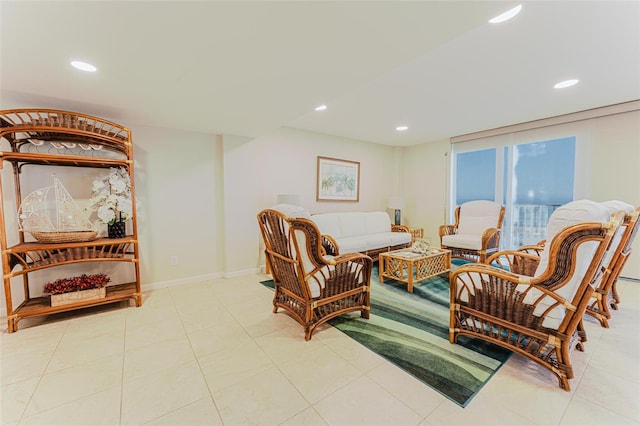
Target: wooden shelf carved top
(22, 126)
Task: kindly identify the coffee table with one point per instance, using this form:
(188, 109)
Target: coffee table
(408, 267)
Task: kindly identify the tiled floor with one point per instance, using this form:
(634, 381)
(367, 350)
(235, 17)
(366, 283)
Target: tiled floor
(213, 353)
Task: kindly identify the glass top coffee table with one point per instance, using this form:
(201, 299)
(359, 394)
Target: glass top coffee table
(409, 267)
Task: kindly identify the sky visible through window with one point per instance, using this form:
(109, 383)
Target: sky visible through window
(476, 176)
(543, 172)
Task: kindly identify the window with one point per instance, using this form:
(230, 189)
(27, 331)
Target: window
(476, 178)
(536, 178)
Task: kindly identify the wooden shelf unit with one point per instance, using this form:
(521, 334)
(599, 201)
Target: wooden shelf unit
(97, 141)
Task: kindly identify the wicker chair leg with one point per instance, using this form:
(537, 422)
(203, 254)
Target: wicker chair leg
(603, 319)
(582, 335)
(307, 333)
(603, 309)
(614, 292)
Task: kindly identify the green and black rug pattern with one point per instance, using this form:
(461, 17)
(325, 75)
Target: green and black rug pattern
(411, 330)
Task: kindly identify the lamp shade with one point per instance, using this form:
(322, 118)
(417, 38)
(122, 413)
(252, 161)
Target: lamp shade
(293, 199)
(396, 203)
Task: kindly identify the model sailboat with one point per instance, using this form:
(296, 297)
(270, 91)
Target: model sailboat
(51, 215)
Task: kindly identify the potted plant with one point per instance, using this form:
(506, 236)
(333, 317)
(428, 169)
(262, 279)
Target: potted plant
(111, 197)
(76, 289)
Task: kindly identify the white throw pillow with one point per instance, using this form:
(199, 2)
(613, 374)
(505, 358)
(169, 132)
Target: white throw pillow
(292, 211)
(476, 216)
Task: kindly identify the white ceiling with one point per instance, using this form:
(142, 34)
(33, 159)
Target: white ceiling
(248, 68)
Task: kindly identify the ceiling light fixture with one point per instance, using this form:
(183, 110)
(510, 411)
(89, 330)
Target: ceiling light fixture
(83, 66)
(321, 108)
(566, 83)
(507, 15)
(402, 128)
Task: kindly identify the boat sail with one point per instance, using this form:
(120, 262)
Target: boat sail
(50, 214)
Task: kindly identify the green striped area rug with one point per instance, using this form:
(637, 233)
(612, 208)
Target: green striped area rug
(411, 330)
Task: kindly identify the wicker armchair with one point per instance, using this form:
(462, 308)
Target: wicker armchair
(538, 316)
(476, 232)
(606, 294)
(310, 286)
(525, 260)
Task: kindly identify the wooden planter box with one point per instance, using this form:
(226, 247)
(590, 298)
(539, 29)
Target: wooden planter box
(78, 296)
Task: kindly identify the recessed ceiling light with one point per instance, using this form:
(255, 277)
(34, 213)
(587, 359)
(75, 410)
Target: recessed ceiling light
(402, 128)
(566, 83)
(321, 108)
(507, 15)
(83, 66)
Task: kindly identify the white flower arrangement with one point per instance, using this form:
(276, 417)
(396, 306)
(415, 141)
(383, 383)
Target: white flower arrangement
(111, 196)
(420, 246)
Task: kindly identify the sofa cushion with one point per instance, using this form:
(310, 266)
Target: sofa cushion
(379, 240)
(353, 224)
(398, 238)
(352, 244)
(328, 224)
(377, 222)
(463, 241)
(359, 232)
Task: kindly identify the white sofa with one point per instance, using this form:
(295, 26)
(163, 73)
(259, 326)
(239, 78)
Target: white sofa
(370, 233)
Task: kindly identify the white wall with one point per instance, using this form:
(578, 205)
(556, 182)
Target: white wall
(285, 163)
(425, 177)
(178, 183)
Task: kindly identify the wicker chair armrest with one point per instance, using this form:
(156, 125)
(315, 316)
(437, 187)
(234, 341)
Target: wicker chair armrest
(330, 245)
(349, 257)
(399, 228)
(446, 230)
(490, 238)
(535, 249)
(515, 261)
(504, 293)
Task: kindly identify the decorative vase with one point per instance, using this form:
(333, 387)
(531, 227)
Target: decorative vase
(117, 229)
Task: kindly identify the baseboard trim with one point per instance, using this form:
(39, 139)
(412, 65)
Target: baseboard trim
(180, 281)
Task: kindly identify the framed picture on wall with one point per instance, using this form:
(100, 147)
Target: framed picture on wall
(337, 180)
